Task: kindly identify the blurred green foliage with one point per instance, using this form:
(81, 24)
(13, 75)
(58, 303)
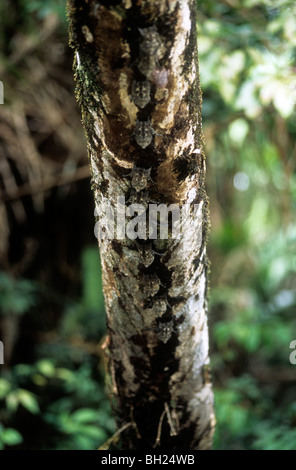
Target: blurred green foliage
(247, 68)
(64, 388)
(42, 8)
(16, 296)
(247, 54)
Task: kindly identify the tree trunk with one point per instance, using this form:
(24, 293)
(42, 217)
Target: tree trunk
(136, 70)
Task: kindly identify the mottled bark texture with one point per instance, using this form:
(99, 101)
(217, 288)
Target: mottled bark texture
(136, 70)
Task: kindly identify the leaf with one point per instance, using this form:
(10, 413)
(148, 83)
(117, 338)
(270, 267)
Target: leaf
(11, 437)
(93, 432)
(65, 374)
(46, 367)
(28, 400)
(4, 387)
(238, 131)
(12, 401)
(16, 296)
(84, 415)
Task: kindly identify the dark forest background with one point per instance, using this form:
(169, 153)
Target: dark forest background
(53, 393)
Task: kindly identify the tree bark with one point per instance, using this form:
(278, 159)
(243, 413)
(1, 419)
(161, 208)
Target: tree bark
(136, 71)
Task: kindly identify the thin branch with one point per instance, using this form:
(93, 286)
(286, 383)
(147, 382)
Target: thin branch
(157, 442)
(109, 441)
(170, 421)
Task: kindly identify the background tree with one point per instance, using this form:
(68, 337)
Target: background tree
(136, 70)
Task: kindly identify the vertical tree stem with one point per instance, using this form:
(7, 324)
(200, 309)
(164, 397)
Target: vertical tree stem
(136, 70)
